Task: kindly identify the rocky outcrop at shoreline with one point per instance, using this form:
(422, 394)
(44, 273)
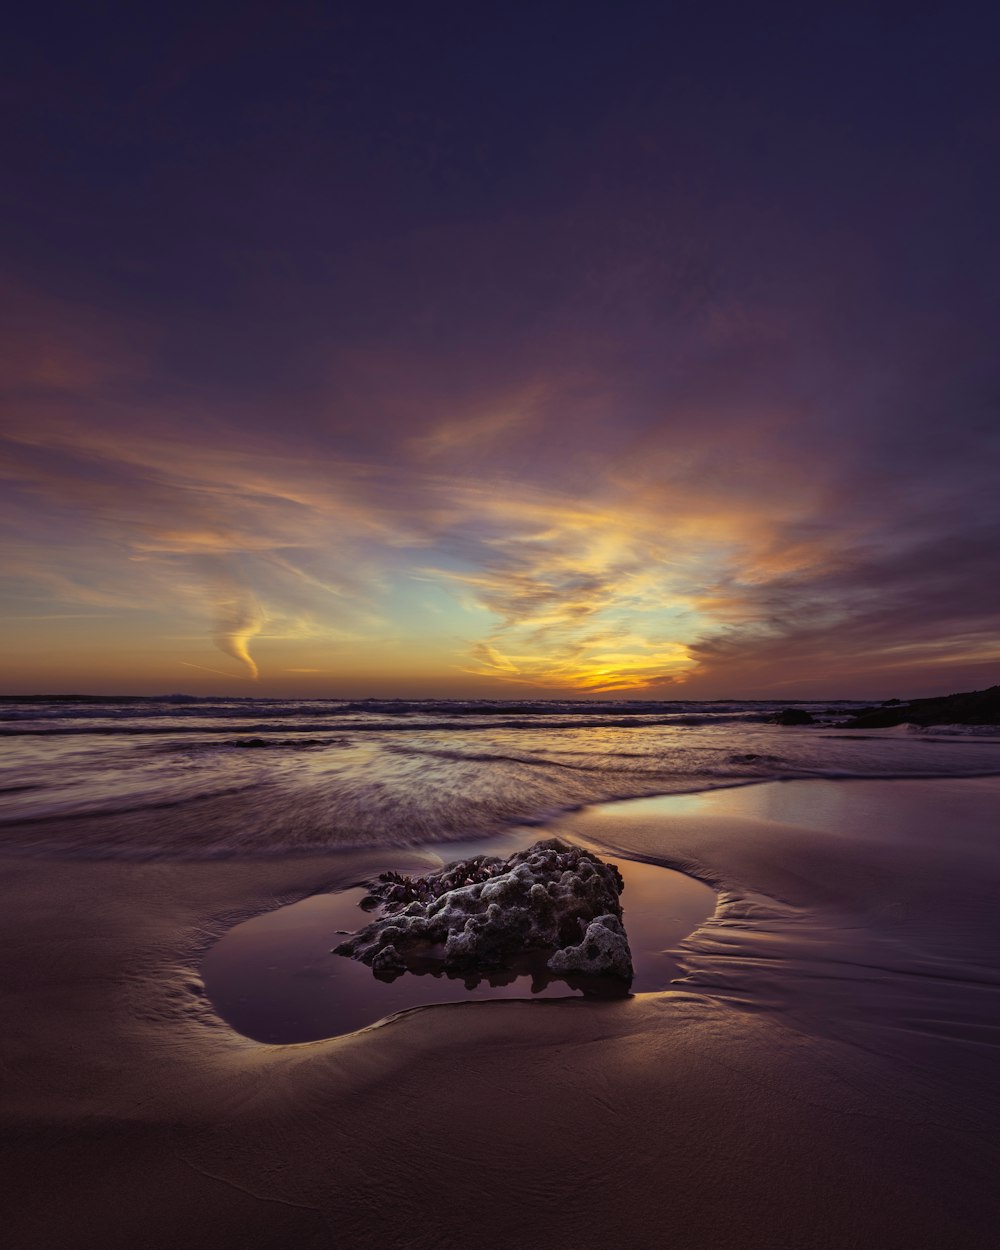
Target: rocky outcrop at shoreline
(973, 707)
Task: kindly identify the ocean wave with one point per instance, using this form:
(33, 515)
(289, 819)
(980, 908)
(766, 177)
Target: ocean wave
(260, 785)
(372, 726)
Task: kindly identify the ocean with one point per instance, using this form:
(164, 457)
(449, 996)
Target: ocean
(184, 777)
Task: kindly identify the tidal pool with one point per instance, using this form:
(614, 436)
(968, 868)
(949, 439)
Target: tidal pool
(275, 979)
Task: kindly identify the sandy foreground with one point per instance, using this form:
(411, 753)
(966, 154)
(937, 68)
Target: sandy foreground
(828, 1076)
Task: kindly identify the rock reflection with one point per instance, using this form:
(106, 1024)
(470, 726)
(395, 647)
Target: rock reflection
(532, 964)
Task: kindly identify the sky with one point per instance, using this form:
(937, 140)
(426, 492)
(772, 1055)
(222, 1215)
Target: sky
(621, 349)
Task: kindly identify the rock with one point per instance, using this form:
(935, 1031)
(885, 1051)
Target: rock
(298, 744)
(388, 959)
(604, 952)
(972, 707)
(484, 913)
(794, 716)
(878, 718)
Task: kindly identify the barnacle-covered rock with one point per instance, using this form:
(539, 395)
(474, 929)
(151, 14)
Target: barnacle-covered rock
(483, 913)
(604, 952)
(388, 959)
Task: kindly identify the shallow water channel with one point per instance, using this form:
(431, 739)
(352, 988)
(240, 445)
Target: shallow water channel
(274, 978)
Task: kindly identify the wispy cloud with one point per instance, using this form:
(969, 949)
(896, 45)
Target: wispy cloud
(711, 544)
(236, 623)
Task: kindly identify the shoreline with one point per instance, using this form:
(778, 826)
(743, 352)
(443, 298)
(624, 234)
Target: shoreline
(824, 1077)
(125, 818)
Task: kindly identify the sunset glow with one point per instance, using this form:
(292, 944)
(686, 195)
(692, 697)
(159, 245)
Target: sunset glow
(500, 625)
(634, 442)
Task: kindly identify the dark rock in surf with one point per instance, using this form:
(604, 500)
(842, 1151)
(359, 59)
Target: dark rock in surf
(297, 743)
(972, 707)
(794, 716)
(482, 914)
(604, 952)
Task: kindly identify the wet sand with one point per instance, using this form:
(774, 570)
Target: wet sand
(827, 1076)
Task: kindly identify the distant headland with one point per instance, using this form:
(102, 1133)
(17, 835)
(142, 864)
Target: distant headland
(971, 707)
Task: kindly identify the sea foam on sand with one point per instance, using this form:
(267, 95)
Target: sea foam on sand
(827, 1077)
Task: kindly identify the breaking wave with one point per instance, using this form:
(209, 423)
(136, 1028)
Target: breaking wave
(183, 778)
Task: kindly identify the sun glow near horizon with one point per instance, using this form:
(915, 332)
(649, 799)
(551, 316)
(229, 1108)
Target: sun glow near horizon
(418, 577)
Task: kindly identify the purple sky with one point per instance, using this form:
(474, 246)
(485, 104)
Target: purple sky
(452, 349)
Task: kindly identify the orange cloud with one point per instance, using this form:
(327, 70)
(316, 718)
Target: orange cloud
(672, 560)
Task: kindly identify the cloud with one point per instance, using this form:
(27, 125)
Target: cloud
(237, 621)
(714, 523)
(478, 432)
(664, 573)
(493, 661)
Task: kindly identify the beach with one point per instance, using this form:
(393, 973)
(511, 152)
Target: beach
(825, 1076)
(499, 706)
